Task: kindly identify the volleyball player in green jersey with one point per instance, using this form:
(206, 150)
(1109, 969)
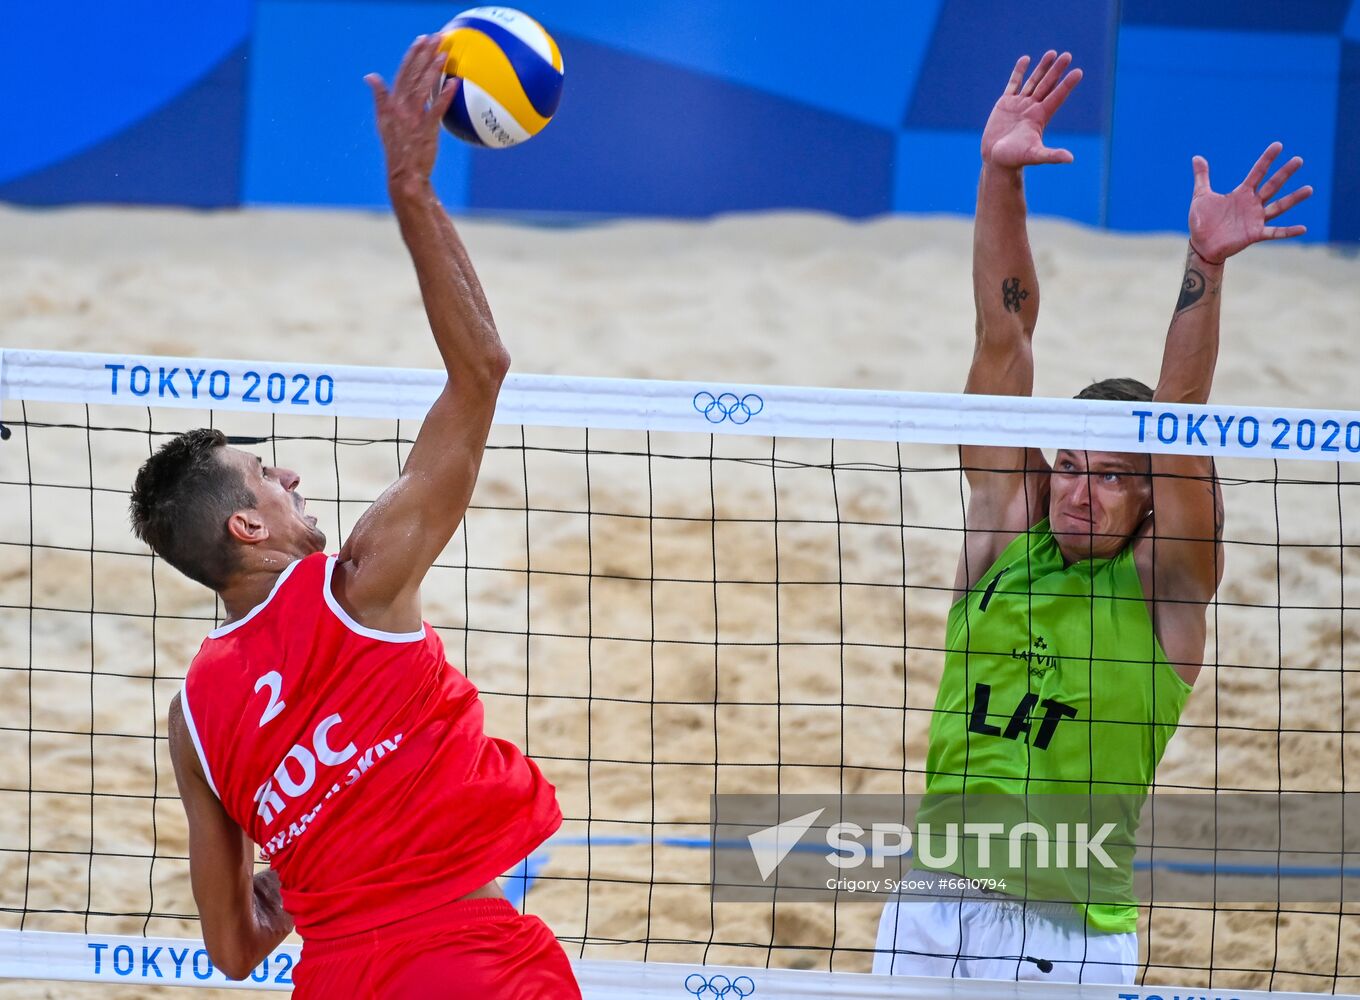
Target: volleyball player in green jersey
(1078, 626)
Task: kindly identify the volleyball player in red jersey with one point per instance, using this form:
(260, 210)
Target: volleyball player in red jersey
(322, 720)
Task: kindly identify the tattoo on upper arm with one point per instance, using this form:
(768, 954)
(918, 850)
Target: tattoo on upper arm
(1192, 290)
(1012, 294)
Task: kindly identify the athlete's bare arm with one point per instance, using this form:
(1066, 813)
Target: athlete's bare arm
(395, 542)
(243, 916)
(1180, 560)
(1003, 501)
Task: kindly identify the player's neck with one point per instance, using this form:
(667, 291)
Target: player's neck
(252, 586)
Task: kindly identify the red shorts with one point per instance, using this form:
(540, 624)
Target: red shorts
(479, 948)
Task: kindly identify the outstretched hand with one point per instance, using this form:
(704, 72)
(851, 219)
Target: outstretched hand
(1224, 224)
(408, 116)
(1014, 134)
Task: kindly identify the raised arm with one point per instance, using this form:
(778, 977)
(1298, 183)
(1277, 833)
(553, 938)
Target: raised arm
(1002, 500)
(1181, 559)
(396, 541)
(242, 915)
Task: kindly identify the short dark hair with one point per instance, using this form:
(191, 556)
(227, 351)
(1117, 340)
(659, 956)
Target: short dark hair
(1124, 390)
(181, 500)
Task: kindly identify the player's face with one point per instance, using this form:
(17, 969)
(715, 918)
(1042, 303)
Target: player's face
(1097, 500)
(279, 504)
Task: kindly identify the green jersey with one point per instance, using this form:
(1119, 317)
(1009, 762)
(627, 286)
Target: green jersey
(1055, 683)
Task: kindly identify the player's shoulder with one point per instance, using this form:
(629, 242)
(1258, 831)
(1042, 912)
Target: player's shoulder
(359, 595)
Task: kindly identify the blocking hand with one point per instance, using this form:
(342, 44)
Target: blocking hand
(1224, 224)
(1014, 134)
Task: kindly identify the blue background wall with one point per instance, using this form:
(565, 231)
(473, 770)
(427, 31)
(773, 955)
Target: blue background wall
(688, 107)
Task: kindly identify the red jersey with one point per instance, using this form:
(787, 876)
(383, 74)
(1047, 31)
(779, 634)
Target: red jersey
(356, 759)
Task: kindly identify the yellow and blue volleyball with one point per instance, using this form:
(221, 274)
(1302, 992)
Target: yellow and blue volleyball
(512, 76)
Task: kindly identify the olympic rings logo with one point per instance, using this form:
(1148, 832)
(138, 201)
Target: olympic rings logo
(714, 987)
(728, 406)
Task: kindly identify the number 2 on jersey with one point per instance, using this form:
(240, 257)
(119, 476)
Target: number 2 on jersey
(274, 681)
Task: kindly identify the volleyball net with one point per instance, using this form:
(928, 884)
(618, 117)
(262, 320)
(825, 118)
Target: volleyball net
(666, 592)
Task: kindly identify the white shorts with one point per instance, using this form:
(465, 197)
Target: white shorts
(1000, 939)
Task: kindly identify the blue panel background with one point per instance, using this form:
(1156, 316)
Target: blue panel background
(1225, 95)
(688, 109)
(311, 136)
(1345, 179)
(937, 171)
(186, 152)
(55, 104)
(692, 143)
(929, 173)
(1313, 16)
(1075, 189)
(859, 63)
(975, 47)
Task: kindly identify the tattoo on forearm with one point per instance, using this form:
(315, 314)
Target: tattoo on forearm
(1192, 290)
(1012, 294)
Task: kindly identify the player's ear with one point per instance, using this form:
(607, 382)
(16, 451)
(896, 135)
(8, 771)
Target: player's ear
(247, 526)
